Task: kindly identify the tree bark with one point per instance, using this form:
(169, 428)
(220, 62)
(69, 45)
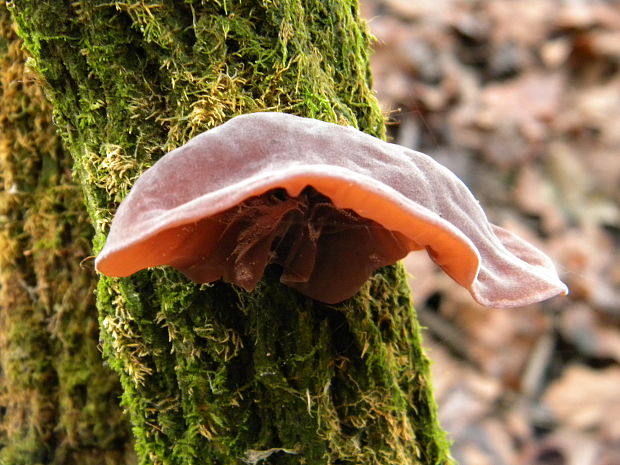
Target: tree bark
(212, 374)
(58, 403)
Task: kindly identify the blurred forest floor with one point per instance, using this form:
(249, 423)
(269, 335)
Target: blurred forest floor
(521, 99)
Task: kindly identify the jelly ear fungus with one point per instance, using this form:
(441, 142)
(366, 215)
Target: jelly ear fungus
(328, 204)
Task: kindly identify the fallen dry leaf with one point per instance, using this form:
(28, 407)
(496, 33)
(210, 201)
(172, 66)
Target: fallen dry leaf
(586, 399)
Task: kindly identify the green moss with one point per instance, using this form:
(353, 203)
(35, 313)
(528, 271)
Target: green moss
(59, 404)
(212, 374)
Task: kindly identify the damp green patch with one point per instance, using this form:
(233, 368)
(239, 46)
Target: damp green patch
(59, 403)
(212, 374)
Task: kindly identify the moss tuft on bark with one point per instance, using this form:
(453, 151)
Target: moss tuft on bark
(212, 374)
(59, 404)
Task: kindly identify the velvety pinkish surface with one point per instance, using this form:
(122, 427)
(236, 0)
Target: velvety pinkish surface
(184, 210)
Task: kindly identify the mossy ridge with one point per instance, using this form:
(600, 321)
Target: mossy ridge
(212, 374)
(60, 403)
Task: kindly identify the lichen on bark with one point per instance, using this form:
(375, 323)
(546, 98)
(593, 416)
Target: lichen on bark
(211, 373)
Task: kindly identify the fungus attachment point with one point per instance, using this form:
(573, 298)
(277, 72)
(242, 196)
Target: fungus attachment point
(328, 204)
(306, 235)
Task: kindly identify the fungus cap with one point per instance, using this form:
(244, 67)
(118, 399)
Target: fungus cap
(328, 203)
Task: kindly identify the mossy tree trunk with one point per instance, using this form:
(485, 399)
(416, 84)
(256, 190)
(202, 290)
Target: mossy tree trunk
(213, 374)
(58, 403)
